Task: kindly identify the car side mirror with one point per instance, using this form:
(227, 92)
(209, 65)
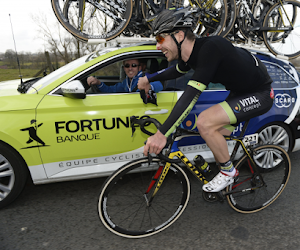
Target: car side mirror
(74, 89)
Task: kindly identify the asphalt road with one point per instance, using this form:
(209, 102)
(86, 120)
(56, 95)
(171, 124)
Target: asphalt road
(64, 216)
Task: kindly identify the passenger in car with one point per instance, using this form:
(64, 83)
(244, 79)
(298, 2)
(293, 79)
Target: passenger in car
(134, 70)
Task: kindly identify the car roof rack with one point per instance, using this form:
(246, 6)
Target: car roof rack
(123, 41)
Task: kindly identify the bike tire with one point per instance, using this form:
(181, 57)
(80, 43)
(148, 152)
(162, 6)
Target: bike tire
(147, 12)
(215, 18)
(283, 43)
(95, 24)
(244, 22)
(274, 165)
(122, 205)
(231, 17)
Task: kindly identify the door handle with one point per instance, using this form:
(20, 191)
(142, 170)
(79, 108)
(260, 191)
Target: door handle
(151, 112)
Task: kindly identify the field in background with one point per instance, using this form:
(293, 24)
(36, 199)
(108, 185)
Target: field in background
(11, 74)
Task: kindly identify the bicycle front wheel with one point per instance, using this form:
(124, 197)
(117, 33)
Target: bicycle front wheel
(124, 203)
(283, 22)
(98, 19)
(253, 192)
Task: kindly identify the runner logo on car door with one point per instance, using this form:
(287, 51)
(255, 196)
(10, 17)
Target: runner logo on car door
(33, 137)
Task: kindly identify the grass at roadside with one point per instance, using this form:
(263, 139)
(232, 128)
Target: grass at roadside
(11, 74)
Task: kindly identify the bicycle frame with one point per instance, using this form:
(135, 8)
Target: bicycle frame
(175, 152)
(152, 7)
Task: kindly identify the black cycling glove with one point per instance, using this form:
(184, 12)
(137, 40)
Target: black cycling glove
(149, 98)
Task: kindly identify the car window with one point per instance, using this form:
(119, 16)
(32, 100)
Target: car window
(280, 76)
(110, 70)
(45, 81)
(110, 74)
(114, 73)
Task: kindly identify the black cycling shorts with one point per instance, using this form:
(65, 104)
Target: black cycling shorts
(244, 106)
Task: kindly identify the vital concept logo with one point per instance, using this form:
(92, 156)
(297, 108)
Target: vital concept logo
(284, 100)
(237, 108)
(247, 104)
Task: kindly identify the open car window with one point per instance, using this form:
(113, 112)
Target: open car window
(114, 72)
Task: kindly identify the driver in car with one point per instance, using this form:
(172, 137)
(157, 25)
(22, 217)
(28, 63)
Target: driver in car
(134, 70)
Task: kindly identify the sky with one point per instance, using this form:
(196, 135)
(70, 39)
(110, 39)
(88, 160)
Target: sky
(24, 29)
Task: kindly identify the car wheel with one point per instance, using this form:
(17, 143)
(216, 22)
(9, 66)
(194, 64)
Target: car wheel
(13, 175)
(276, 133)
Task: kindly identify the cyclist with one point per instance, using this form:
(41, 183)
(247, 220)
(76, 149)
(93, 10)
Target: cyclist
(216, 60)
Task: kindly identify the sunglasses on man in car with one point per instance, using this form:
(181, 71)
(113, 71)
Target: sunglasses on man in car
(133, 65)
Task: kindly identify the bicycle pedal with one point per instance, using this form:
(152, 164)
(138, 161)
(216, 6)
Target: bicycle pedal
(212, 197)
(236, 179)
(209, 197)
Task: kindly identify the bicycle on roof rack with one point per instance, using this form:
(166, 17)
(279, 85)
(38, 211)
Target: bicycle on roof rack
(105, 19)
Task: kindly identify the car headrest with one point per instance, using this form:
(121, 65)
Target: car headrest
(152, 65)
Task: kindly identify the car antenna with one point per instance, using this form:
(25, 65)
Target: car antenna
(21, 86)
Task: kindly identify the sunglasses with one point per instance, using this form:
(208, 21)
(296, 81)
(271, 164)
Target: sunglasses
(133, 65)
(161, 37)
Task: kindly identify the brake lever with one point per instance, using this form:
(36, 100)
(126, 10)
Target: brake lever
(149, 158)
(132, 122)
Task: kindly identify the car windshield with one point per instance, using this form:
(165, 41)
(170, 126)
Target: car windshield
(45, 81)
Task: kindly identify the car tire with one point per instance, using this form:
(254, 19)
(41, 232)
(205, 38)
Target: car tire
(13, 174)
(276, 133)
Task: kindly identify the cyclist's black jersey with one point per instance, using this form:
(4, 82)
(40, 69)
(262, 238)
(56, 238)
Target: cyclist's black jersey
(216, 60)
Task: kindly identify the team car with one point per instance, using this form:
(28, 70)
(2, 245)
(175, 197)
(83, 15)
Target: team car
(54, 129)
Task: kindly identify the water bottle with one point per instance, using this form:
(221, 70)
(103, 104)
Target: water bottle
(202, 165)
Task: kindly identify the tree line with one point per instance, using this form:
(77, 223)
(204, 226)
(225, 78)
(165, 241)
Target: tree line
(61, 47)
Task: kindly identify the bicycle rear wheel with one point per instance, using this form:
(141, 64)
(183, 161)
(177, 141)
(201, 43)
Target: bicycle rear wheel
(98, 19)
(249, 194)
(123, 202)
(283, 20)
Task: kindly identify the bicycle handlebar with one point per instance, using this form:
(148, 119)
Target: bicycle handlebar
(145, 122)
(142, 122)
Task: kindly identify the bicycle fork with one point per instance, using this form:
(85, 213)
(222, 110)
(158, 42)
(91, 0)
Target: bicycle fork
(156, 181)
(162, 171)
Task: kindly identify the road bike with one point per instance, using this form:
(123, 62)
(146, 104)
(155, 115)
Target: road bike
(221, 24)
(281, 29)
(149, 194)
(275, 23)
(106, 19)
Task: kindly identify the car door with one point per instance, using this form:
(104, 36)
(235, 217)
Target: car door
(93, 136)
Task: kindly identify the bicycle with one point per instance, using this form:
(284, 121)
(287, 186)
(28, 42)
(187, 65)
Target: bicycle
(148, 195)
(105, 19)
(281, 29)
(274, 23)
